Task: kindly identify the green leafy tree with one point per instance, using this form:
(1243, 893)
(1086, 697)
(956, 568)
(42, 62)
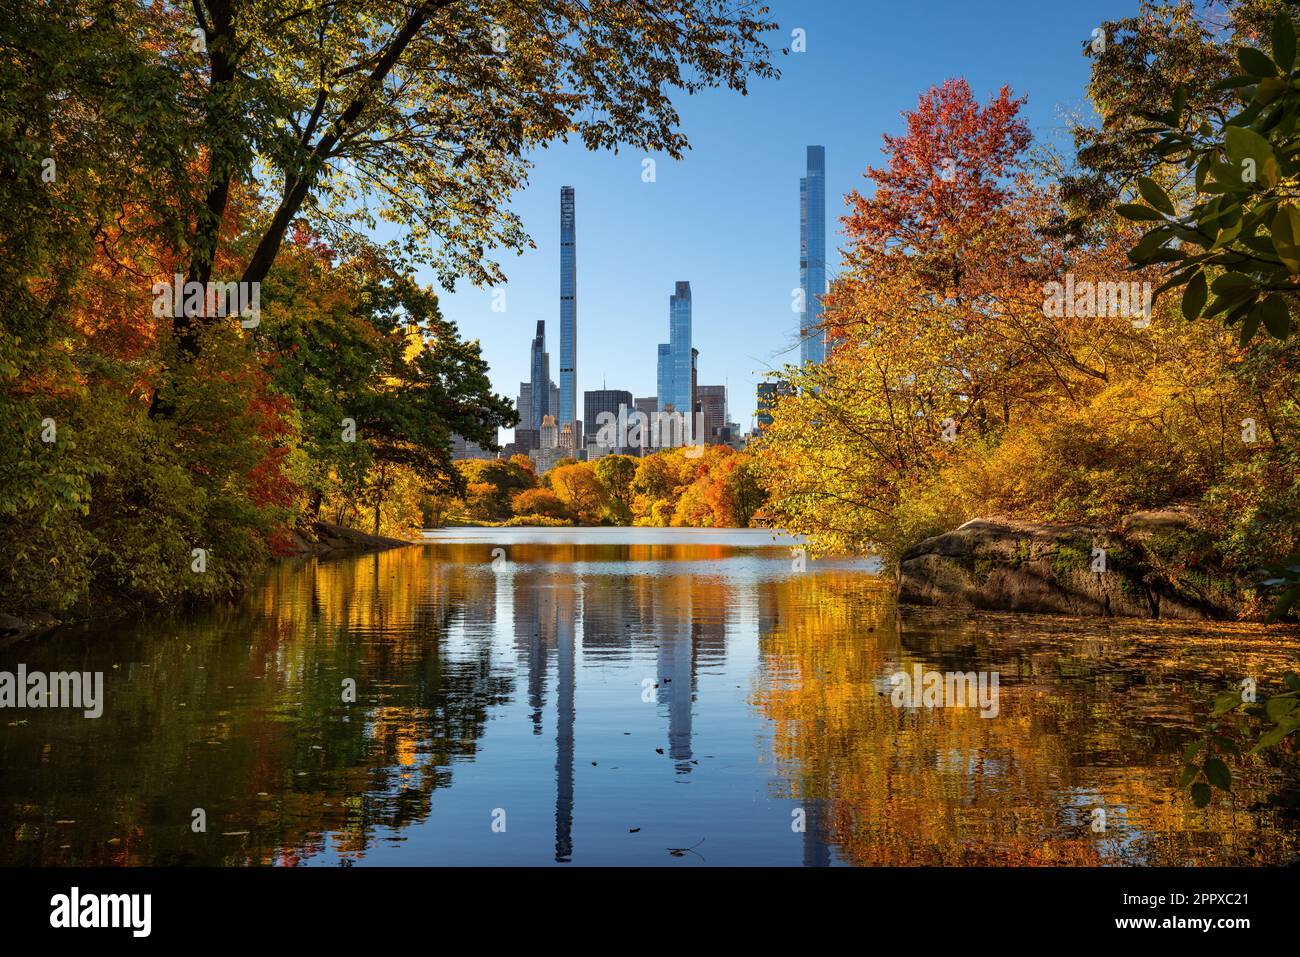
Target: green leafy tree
(616, 473)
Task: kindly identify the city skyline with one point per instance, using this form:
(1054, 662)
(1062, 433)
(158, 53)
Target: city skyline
(725, 216)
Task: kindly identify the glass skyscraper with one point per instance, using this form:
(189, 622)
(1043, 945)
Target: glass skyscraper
(568, 312)
(541, 375)
(675, 358)
(812, 255)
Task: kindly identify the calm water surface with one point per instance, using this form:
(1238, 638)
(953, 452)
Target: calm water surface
(623, 696)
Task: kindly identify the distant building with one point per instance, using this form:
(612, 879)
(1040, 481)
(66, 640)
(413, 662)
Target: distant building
(462, 448)
(604, 403)
(567, 411)
(567, 439)
(812, 255)
(648, 406)
(527, 439)
(712, 414)
(675, 361)
(550, 435)
(768, 395)
(695, 392)
(541, 375)
(546, 459)
(524, 406)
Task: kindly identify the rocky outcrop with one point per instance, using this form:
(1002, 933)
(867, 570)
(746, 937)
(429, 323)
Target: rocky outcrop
(1157, 564)
(324, 538)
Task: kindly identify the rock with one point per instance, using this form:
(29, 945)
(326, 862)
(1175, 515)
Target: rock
(1158, 564)
(325, 538)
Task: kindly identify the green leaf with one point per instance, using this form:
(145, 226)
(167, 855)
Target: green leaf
(1284, 41)
(1279, 708)
(1276, 316)
(1188, 776)
(1137, 211)
(1255, 62)
(1200, 794)
(1291, 680)
(1245, 148)
(1194, 297)
(1230, 283)
(1217, 773)
(1270, 89)
(1250, 326)
(1286, 237)
(1225, 701)
(1272, 737)
(1154, 194)
(1236, 82)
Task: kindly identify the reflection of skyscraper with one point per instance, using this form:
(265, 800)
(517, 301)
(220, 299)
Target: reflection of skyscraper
(816, 835)
(568, 411)
(565, 615)
(812, 255)
(672, 613)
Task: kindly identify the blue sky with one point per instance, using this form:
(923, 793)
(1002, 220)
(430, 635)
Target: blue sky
(726, 218)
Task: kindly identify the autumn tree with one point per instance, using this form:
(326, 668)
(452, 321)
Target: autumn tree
(540, 502)
(424, 113)
(582, 492)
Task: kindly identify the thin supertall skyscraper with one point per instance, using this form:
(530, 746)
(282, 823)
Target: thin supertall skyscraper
(568, 311)
(812, 256)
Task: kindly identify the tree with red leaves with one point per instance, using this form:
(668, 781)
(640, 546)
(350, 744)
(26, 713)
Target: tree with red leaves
(946, 178)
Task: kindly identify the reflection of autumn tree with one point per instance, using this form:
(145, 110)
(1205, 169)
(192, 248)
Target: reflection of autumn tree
(294, 762)
(949, 787)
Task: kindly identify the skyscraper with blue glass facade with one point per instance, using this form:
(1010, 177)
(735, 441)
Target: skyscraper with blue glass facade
(675, 356)
(568, 312)
(812, 255)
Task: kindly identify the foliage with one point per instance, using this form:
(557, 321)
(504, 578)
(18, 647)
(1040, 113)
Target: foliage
(540, 503)
(266, 149)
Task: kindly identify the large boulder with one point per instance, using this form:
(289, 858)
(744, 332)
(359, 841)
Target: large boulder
(1157, 564)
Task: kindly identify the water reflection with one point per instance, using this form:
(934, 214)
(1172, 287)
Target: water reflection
(607, 702)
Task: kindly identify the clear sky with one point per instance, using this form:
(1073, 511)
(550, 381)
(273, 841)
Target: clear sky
(726, 218)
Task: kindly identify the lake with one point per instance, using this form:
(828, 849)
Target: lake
(659, 697)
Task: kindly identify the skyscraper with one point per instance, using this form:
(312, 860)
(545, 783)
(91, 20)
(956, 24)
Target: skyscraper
(713, 412)
(605, 402)
(541, 374)
(675, 359)
(769, 394)
(812, 256)
(568, 412)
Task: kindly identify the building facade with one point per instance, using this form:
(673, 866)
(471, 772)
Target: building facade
(568, 398)
(675, 362)
(812, 256)
(604, 402)
(768, 395)
(540, 365)
(712, 418)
